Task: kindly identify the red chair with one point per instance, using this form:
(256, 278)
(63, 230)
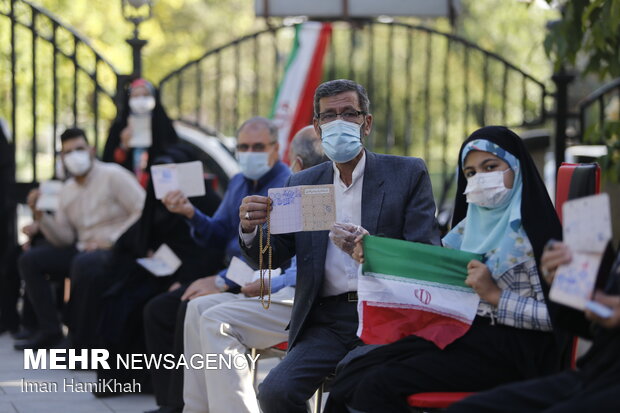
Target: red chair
(573, 181)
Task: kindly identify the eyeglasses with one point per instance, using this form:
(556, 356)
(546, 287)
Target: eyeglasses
(348, 115)
(257, 147)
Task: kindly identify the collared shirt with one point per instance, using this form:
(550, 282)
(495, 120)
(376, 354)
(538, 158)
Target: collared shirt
(220, 231)
(98, 210)
(340, 268)
(522, 303)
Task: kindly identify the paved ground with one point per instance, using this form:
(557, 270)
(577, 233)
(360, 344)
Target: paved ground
(14, 400)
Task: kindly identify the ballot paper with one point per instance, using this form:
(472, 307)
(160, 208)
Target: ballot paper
(141, 134)
(587, 232)
(242, 274)
(49, 198)
(187, 177)
(302, 208)
(163, 263)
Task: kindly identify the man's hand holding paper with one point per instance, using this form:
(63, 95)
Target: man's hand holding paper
(253, 212)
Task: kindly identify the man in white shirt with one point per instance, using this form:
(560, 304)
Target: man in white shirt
(233, 323)
(387, 195)
(97, 204)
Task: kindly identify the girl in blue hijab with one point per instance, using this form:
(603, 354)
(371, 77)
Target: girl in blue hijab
(502, 211)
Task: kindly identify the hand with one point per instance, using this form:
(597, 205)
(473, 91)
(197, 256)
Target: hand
(554, 255)
(31, 229)
(253, 212)
(344, 235)
(479, 278)
(94, 245)
(125, 136)
(611, 301)
(177, 203)
(32, 198)
(253, 289)
(175, 286)
(358, 251)
(200, 287)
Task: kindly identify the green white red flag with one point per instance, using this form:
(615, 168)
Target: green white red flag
(292, 106)
(410, 288)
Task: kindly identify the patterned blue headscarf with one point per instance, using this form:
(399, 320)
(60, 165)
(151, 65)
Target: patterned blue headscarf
(495, 232)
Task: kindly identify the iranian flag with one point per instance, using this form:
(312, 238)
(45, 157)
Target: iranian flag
(410, 288)
(292, 106)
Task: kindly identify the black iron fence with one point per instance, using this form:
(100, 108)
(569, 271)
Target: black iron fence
(52, 78)
(428, 89)
(598, 111)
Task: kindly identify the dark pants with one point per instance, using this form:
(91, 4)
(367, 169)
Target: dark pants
(37, 267)
(329, 336)
(560, 393)
(9, 290)
(164, 317)
(89, 279)
(486, 356)
(85, 270)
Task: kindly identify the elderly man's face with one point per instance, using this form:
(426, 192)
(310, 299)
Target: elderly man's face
(256, 138)
(344, 106)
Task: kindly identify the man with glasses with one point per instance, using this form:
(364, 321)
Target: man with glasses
(261, 169)
(387, 195)
(97, 204)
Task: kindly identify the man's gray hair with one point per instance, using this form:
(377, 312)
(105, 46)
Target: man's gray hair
(260, 121)
(336, 87)
(307, 145)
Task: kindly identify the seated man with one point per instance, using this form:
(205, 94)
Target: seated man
(97, 205)
(594, 386)
(385, 194)
(257, 146)
(232, 323)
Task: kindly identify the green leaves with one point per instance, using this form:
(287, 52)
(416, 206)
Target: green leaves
(588, 29)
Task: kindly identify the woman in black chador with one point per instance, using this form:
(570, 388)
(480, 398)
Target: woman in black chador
(141, 132)
(121, 328)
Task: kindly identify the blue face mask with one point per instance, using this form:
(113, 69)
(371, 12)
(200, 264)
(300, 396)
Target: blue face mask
(341, 140)
(253, 164)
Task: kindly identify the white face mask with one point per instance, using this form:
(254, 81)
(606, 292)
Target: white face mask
(253, 164)
(142, 105)
(487, 189)
(78, 162)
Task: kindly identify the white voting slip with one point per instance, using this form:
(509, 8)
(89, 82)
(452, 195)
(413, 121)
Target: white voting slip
(141, 134)
(49, 199)
(163, 263)
(587, 231)
(242, 274)
(302, 208)
(188, 177)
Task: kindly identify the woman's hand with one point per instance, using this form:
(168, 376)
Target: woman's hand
(479, 278)
(610, 301)
(125, 136)
(555, 254)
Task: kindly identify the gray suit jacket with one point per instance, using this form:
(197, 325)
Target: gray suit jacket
(397, 202)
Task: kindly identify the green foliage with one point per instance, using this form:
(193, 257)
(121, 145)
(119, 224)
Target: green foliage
(588, 28)
(180, 30)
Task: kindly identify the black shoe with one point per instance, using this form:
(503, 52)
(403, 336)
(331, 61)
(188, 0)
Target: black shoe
(24, 333)
(39, 341)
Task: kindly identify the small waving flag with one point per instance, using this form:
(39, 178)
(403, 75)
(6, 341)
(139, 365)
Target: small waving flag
(410, 288)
